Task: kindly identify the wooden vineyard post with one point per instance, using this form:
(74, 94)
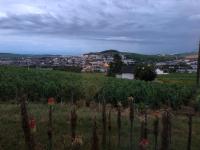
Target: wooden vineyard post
(131, 117)
(166, 130)
(198, 67)
(51, 102)
(50, 128)
(189, 131)
(156, 131)
(119, 124)
(29, 140)
(109, 129)
(73, 124)
(72, 98)
(145, 125)
(104, 125)
(144, 142)
(95, 139)
(141, 145)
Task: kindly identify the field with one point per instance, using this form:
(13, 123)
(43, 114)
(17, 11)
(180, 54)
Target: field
(173, 90)
(178, 78)
(12, 135)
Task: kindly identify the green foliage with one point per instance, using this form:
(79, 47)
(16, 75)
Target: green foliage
(140, 57)
(65, 86)
(145, 72)
(197, 103)
(69, 68)
(178, 78)
(148, 58)
(116, 65)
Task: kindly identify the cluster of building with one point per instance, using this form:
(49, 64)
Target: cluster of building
(187, 64)
(91, 62)
(43, 62)
(99, 62)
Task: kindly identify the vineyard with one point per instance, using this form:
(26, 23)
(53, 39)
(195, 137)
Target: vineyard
(77, 129)
(172, 90)
(92, 111)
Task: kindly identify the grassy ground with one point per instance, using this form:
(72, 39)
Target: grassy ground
(11, 134)
(178, 78)
(12, 138)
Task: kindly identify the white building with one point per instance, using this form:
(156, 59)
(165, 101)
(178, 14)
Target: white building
(160, 72)
(127, 73)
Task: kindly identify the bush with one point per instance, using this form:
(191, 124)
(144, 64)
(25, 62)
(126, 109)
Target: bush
(115, 66)
(145, 72)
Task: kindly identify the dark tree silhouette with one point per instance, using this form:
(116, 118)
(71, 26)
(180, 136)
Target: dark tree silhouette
(115, 66)
(145, 72)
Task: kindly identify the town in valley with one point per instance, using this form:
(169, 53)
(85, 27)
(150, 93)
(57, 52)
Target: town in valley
(99, 62)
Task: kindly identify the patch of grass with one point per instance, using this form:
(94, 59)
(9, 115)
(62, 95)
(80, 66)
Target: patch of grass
(11, 134)
(178, 78)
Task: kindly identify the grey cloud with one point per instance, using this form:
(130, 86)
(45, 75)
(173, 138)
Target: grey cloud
(138, 21)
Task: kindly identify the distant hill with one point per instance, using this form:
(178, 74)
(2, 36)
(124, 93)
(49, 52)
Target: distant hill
(106, 52)
(111, 52)
(186, 54)
(146, 58)
(11, 55)
(136, 56)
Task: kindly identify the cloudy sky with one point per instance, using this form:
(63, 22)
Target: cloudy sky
(79, 26)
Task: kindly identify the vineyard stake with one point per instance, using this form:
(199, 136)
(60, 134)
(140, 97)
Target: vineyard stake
(29, 140)
(51, 102)
(95, 139)
(131, 117)
(156, 130)
(104, 125)
(73, 123)
(50, 128)
(109, 129)
(189, 131)
(119, 124)
(166, 131)
(145, 125)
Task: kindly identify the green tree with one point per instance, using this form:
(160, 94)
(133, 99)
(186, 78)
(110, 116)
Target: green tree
(145, 72)
(115, 66)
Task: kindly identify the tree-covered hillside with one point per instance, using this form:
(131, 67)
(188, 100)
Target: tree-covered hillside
(148, 58)
(136, 56)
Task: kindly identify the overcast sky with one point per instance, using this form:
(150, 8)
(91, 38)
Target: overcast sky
(79, 26)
